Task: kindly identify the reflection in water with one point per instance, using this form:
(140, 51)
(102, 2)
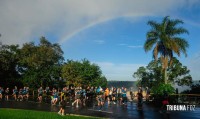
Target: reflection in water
(54, 108)
(141, 114)
(113, 111)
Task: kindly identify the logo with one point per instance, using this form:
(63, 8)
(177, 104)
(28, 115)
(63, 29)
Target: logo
(180, 107)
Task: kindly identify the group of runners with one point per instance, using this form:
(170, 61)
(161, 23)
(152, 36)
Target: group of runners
(17, 94)
(78, 96)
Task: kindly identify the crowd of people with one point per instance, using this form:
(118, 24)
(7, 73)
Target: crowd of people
(17, 94)
(78, 96)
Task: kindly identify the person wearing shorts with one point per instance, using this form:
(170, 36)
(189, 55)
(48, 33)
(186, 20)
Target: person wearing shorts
(62, 107)
(100, 100)
(1, 93)
(124, 97)
(77, 96)
(20, 96)
(106, 93)
(40, 93)
(15, 92)
(119, 95)
(55, 97)
(114, 95)
(7, 94)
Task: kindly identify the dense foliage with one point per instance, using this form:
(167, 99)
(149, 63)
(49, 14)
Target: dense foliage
(152, 75)
(195, 89)
(8, 62)
(42, 64)
(83, 73)
(160, 89)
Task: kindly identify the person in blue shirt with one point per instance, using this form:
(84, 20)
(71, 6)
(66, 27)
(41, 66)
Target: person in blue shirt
(1, 93)
(40, 93)
(55, 97)
(83, 96)
(27, 92)
(20, 96)
(15, 92)
(124, 97)
(24, 92)
(77, 96)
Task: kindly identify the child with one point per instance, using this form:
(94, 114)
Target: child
(62, 108)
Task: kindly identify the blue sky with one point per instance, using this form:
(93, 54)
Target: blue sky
(110, 33)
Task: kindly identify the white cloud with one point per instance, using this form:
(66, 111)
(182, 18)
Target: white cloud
(135, 46)
(99, 41)
(24, 20)
(130, 46)
(122, 44)
(122, 72)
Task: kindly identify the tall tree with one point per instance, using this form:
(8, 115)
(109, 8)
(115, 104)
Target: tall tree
(83, 73)
(164, 38)
(40, 64)
(8, 64)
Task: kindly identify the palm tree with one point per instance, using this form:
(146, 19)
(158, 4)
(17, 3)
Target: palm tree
(164, 38)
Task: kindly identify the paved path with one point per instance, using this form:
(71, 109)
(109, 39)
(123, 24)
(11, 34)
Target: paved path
(113, 111)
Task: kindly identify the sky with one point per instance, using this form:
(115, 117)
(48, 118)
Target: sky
(109, 33)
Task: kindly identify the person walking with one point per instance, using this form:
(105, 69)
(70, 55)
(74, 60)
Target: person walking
(140, 99)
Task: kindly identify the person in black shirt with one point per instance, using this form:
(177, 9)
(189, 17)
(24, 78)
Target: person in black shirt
(6, 94)
(140, 99)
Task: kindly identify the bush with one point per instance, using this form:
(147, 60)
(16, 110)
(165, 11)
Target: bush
(159, 89)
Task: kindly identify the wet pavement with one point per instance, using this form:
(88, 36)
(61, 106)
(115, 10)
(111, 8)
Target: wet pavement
(113, 111)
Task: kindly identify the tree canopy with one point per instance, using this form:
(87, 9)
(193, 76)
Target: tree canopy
(42, 64)
(83, 73)
(8, 62)
(151, 75)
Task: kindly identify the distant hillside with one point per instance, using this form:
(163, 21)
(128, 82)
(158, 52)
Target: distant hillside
(127, 84)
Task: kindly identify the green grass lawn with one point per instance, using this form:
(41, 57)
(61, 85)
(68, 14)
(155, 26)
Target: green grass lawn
(30, 114)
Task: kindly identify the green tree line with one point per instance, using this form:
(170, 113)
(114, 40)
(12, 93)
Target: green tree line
(43, 64)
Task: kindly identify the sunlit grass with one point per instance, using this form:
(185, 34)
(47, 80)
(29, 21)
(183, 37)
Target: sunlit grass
(30, 114)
